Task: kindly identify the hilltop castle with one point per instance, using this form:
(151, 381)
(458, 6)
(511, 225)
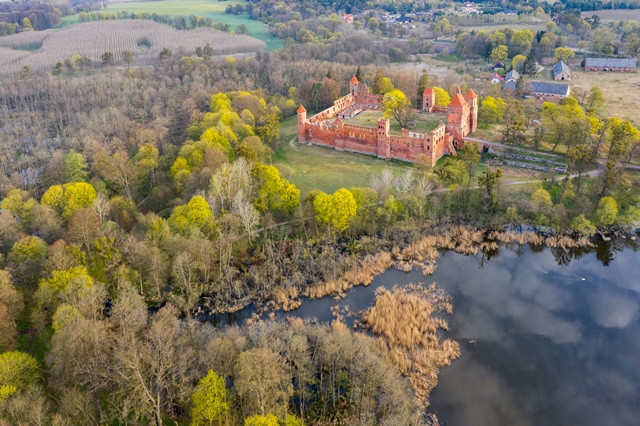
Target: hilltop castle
(331, 127)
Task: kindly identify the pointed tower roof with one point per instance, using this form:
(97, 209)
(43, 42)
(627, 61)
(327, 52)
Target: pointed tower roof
(470, 94)
(427, 91)
(302, 109)
(354, 80)
(458, 100)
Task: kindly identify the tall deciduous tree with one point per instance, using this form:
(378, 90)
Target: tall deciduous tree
(396, 104)
(75, 167)
(211, 401)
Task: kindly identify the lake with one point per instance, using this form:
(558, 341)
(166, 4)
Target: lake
(548, 337)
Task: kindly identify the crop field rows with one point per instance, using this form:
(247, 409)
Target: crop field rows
(145, 39)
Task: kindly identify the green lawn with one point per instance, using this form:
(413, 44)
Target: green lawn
(423, 123)
(205, 8)
(314, 167)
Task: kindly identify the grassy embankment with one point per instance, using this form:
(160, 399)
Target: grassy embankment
(205, 8)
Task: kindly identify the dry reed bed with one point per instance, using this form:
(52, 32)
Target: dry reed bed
(422, 254)
(93, 39)
(406, 329)
(284, 298)
(362, 274)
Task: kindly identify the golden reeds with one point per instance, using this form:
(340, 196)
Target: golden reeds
(363, 274)
(403, 321)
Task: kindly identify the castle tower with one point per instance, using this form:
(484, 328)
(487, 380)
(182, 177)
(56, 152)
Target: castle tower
(384, 142)
(302, 119)
(472, 100)
(428, 99)
(458, 118)
(353, 85)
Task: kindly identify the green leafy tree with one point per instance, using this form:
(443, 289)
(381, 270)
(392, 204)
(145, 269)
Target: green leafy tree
(335, 210)
(18, 370)
(520, 42)
(381, 84)
(75, 167)
(274, 191)
(582, 225)
(423, 83)
(541, 200)
(359, 75)
(579, 157)
(517, 61)
(210, 402)
(442, 97)
(451, 171)
(28, 248)
(470, 156)
(196, 214)
(595, 100)
(64, 315)
(107, 58)
(563, 54)
(396, 104)
(64, 285)
(69, 198)
(489, 179)
(20, 205)
(622, 135)
(607, 211)
(500, 53)
(491, 110)
(261, 420)
(530, 65)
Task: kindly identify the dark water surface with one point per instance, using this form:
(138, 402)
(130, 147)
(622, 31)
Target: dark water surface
(546, 338)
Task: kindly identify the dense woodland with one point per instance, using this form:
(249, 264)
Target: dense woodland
(138, 203)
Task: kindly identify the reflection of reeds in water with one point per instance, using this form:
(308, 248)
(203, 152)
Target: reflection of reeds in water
(403, 321)
(422, 254)
(362, 274)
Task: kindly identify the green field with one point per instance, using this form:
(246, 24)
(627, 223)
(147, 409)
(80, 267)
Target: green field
(422, 123)
(313, 167)
(205, 8)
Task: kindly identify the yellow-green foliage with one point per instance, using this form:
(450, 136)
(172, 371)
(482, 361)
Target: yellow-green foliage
(19, 204)
(259, 420)
(210, 401)
(336, 210)
(69, 198)
(196, 214)
(17, 371)
(6, 391)
(63, 285)
(28, 248)
(274, 191)
(65, 314)
(606, 212)
(442, 97)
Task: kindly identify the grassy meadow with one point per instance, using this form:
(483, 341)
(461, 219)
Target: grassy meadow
(616, 88)
(205, 8)
(314, 167)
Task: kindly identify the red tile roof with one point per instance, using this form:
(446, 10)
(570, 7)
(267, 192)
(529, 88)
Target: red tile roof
(302, 109)
(458, 100)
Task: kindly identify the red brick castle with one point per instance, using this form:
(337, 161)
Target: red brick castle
(333, 128)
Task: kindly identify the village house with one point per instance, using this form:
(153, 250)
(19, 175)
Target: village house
(496, 79)
(610, 64)
(334, 127)
(561, 71)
